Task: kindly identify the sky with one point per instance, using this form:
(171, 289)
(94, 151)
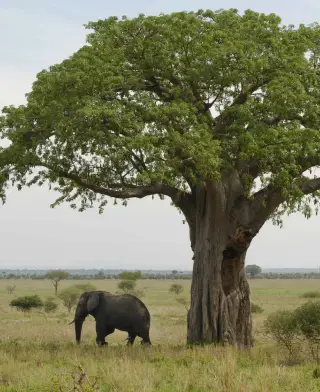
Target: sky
(148, 234)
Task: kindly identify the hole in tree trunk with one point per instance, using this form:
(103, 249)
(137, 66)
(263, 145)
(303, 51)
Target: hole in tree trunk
(230, 270)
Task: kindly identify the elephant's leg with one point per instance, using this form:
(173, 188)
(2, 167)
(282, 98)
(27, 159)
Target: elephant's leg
(101, 334)
(145, 338)
(131, 339)
(108, 331)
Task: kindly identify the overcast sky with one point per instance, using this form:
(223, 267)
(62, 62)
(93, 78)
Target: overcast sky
(147, 234)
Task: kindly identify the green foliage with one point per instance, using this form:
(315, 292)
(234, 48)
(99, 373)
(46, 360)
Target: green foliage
(127, 286)
(85, 287)
(127, 275)
(316, 372)
(27, 303)
(153, 104)
(311, 294)
(283, 328)
(176, 288)
(253, 270)
(69, 297)
(49, 305)
(56, 277)
(255, 308)
(308, 320)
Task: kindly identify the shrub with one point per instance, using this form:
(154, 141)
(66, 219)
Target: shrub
(308, 320)
(10, 288)
(311, 294)
(127, 285)
(49, 305)
(27, 303)
(282, 327)
(69, 297)
(176, 288)
(255, 308)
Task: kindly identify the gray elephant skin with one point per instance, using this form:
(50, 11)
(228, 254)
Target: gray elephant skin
(124, 312)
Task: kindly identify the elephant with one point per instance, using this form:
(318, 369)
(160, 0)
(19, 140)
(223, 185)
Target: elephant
(124, 312)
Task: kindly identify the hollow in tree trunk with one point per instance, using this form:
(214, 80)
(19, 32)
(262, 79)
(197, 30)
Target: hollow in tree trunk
(220, 294)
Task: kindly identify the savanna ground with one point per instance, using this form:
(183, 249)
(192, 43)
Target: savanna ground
(41, 355)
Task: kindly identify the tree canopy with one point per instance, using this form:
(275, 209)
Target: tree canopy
(158, 104)
(253, 270)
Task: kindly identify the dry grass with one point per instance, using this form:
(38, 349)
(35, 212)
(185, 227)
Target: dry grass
(40, 355)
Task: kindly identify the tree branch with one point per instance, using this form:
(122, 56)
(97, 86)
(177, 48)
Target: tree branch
(310, 186)
(223, 122)
(131, 192)
(254, 213)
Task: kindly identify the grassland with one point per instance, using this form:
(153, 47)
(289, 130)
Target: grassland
(39, 354)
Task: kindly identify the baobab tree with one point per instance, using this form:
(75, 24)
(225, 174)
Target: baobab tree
(217, 111)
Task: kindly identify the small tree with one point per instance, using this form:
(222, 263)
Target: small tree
(308, 321)
(127, 275)
(282, 327)
(25, 304)
(127, 285)
(253, 270)
(176, 288)
(49, 305)
(69, 297)
(10, 288)
(56, 277)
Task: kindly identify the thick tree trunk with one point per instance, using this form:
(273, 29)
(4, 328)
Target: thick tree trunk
(220, 294)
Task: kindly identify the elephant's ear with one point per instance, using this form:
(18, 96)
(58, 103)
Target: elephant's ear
(93, 301)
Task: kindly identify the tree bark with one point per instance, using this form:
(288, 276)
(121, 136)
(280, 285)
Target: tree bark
(220, 294)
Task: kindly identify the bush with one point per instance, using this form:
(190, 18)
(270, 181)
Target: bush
(25, 304)
(176, 288)
(255, 308)
(69, 297)
(282, 326)
(311, 294)
(127, 285)
(308, 320)
(49, 306)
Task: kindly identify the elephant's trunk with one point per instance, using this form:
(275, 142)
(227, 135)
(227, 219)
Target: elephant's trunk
(78, 328)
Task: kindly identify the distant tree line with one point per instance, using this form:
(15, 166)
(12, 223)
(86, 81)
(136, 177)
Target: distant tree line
(253, 272)
(56, 276)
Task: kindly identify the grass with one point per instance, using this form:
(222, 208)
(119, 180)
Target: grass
(40, 355)
(311, 294)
